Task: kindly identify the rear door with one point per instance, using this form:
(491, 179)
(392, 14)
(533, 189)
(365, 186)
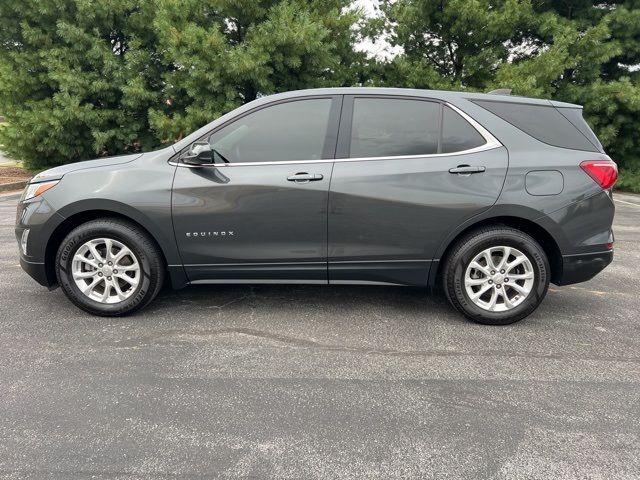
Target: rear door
(263, 215)
(401, 181)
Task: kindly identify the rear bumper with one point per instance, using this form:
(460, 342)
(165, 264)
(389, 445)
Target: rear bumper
(584, 266)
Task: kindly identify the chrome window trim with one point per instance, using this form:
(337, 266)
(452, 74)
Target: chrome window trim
(491, 143)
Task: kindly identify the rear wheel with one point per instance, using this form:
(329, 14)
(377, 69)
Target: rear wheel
(496, 275)
(109, 267)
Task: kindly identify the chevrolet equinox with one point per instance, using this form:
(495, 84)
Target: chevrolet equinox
(489, 196)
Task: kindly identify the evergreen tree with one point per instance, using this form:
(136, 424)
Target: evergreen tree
(572, 50)
(451, 44)
(81, 78)
(228, 52)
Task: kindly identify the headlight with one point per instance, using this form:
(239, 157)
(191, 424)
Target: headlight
(36, 189)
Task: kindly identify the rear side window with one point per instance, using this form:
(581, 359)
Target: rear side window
(386, 127)
(574, 115)
(458, 134)
(544, 123)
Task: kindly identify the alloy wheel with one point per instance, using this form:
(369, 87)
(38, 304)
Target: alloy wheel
(499, 278)
(106, 270)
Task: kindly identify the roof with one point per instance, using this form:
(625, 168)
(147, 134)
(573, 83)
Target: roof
(445, 95)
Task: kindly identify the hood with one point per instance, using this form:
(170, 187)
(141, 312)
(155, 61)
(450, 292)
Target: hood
(57, 173)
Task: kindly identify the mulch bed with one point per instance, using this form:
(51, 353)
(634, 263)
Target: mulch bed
(9, 174)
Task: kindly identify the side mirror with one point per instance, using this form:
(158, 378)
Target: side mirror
(200, 153)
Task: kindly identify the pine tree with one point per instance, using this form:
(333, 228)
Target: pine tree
(572, 50)
(451, 44)
(80, 78)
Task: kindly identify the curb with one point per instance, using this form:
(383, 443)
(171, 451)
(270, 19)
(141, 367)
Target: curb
(7, 187)
(10, 195)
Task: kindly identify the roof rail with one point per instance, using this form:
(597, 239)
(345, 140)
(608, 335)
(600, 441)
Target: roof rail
(500, 91)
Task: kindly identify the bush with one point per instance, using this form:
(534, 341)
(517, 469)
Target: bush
(629, 181)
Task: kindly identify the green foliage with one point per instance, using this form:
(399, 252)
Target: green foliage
(629, 180)
(80, 78)
(453, 44)
(228, 52)
(571, 50)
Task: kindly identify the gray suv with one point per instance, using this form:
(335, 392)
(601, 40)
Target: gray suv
(490, 197)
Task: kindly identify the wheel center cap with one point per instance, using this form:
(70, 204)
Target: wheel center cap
(107, 271)
(498, 278)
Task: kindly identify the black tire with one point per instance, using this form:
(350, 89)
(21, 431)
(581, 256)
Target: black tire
(137, 240)
(464, 251)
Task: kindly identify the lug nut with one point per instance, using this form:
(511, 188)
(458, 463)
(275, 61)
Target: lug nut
(115, 271)
(506, 280)
(493, 272)
(108, 278)
(110, 263)
(498, 286)
(99, 274)
(490, 282)
(100, 265)
(501, 271)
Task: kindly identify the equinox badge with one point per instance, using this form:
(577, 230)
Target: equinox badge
(228, 233)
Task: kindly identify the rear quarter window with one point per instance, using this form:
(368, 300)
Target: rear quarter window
(457, 134)
(544, 123)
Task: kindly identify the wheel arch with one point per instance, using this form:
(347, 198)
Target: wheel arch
(539, 233)
(75, 215)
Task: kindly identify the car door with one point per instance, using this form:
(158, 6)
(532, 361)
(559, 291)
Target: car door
(408, 170)
(259, 213)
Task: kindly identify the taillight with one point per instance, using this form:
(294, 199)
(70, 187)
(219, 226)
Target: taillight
(604, 172)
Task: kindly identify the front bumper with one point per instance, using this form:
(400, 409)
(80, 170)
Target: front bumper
(36, 271)
(39, 217)
(584, 266)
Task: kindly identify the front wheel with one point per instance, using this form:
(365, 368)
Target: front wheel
(496, 275)
(109, 267)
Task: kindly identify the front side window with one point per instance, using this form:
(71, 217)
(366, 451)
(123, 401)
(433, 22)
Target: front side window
(386, 127)
(288, 131)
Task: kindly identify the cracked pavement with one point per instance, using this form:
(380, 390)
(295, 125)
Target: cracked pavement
(321, 382)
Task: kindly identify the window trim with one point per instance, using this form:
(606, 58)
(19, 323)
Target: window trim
(344, 137)
(339, 122)
(328, 148)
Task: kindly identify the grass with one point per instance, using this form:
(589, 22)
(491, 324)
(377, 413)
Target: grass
(13, 164)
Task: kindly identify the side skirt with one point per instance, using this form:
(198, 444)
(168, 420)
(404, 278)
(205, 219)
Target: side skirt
(392, 272)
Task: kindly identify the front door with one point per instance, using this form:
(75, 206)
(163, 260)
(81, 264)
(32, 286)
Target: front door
(403, 183)
(260, 212)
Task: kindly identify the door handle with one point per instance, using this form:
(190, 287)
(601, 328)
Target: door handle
(304, 177)
(467, 169)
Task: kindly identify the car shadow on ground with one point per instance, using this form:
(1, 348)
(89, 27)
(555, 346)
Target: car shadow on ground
(300, 299)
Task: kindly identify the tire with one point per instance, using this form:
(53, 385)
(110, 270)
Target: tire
(530, 272)
(142, 265)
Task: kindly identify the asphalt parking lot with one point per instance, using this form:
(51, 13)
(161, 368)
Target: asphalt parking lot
(322, 382)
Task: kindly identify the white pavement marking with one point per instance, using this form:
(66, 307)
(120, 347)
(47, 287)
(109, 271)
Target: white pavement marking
(626, 203)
